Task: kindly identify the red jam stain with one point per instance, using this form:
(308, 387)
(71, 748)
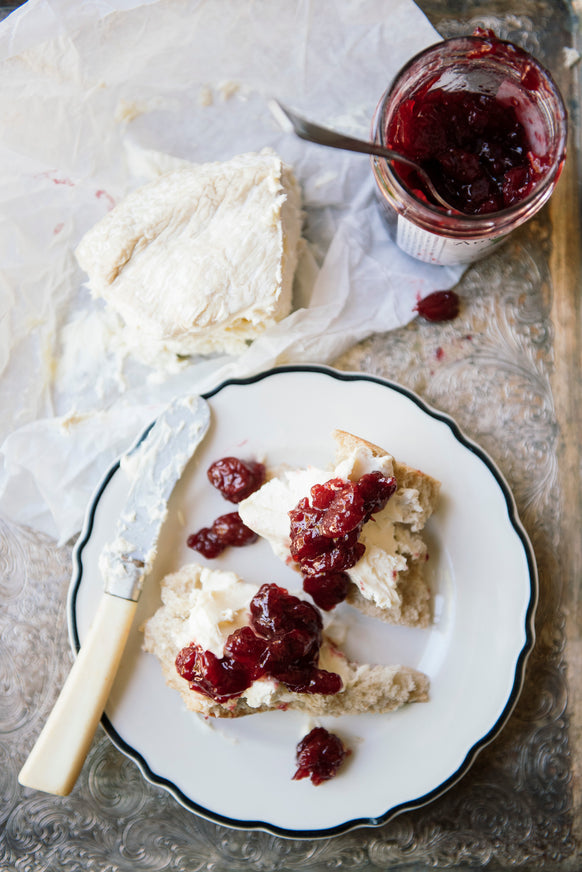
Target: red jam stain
(103, 195)
(319, 756)
(235, 479)
(324, 534)
(282, 642)
(473, 146)
(439, 306)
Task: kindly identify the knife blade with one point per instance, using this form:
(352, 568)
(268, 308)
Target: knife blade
(153, 466)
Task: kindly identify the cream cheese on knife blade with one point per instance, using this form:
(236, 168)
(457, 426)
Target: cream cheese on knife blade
(153, 466)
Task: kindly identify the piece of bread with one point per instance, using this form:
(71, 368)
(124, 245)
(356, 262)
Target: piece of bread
(401, 594)
(367, 688)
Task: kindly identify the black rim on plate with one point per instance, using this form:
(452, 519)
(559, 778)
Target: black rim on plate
(473, 751)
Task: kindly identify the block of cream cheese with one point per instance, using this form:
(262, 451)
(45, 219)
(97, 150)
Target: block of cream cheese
(200, 260)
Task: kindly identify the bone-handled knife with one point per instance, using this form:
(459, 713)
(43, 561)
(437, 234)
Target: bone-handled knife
(153, 466)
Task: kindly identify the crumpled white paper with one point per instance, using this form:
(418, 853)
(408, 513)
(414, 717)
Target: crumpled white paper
(93, 95)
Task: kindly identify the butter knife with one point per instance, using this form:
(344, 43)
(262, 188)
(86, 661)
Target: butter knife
(153, 466)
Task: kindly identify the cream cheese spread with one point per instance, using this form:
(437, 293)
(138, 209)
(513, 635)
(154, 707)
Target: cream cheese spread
(387, 536)
(215, 606)
(201, 259)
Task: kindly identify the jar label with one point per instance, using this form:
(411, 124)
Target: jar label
(442, 250)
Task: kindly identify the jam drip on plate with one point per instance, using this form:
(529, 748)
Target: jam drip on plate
(325, 533)
(319, 756)
(235, 479)
(282, 642)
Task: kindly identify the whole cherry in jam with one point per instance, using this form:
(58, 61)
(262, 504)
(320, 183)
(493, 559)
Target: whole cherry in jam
(439, 306)
(220, 678)
(225, 530)
(324, 534)
(319, 756)
(282, 642)
(236, 479)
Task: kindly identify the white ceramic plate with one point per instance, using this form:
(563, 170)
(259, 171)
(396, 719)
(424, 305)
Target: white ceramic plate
(483, 575)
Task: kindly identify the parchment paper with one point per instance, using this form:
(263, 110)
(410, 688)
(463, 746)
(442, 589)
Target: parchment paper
(98, 97)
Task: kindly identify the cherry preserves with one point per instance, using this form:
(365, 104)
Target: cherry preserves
(236, 479)
(225, 530)
(282, 641)
(325, 532)
(473, 146)
(488, 124)
(319, 756)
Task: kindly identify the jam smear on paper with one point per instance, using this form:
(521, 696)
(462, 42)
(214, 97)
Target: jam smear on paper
(439, 306)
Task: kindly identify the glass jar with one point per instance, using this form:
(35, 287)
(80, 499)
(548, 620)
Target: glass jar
(490, 69)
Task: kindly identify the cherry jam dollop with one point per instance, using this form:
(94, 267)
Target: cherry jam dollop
(282, 642)
(236, 479)
(319, 756)
(227, 530)
(325, 532)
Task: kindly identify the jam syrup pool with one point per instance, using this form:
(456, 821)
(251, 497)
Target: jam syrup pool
(235, 479)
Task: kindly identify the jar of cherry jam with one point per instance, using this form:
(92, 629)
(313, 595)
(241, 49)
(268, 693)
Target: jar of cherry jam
(487, 123)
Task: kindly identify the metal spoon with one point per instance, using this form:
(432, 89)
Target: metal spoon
(324, 136)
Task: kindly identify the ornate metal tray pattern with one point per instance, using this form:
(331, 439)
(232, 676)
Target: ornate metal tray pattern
(507, 371)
